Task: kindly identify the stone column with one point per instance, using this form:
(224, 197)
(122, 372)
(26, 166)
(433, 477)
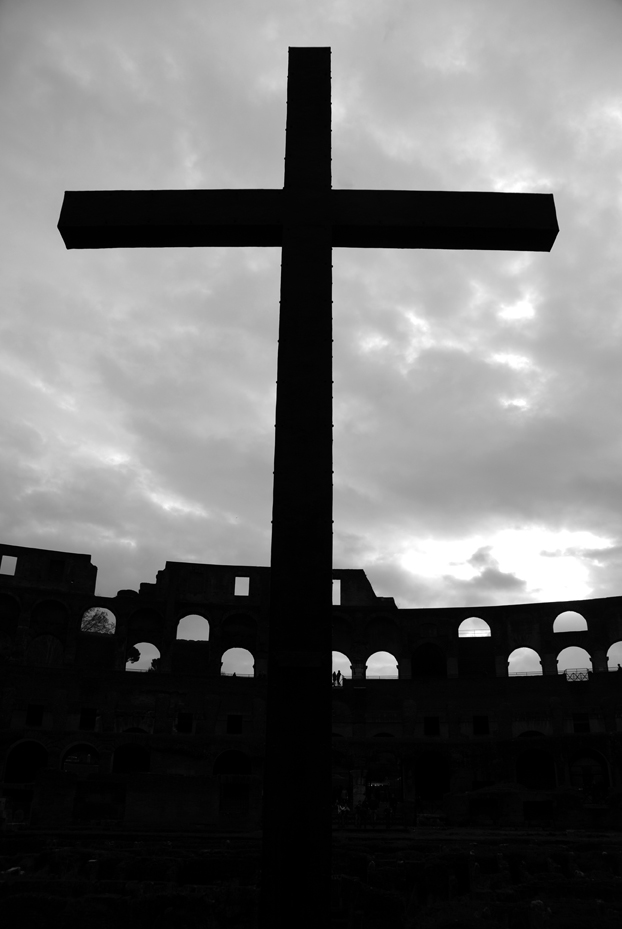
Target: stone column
(549, 664)
(452, 666)
(501, 666)
(404, 669)
(359, 667)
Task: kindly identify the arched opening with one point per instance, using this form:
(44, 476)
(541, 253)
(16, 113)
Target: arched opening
(535, 769)
(131, 759)
(588, 773)
(382, 665)
(428, 660)
(24, 762)
(81, 759)
(193, 628)
(98, 619)
(342, 668)
(570, 621)
(45, 651)
(238, 662)
(473, 627)
(384, 781)
(614, 657)
(144, 656)
(524, 661)
(574, 658)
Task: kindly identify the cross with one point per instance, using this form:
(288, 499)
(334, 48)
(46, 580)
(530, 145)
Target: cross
(307, 219)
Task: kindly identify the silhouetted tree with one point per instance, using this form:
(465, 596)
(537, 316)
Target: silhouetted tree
(97, 620)
(133, 655)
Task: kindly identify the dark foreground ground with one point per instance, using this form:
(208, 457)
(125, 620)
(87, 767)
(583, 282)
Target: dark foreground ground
(424, 878)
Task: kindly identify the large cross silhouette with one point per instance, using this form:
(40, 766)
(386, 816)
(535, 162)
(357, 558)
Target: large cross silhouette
(307, 218)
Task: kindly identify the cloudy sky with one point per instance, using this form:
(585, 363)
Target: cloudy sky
(478, 422)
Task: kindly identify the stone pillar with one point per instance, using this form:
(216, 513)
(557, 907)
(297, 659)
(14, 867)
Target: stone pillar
(452, 666)
(599, 660)
(261, 667)
(359, 667)
(501, 666)
(404, 669)
(549, 666)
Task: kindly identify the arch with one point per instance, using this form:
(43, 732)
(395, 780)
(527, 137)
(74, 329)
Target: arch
(341, 663)
(193, 628)
(573, 657)
(143, 656)
(428, 660)
(80, 757)
(473, 627)
(238, 661)
(614, 655)
(382, 664)
(10, 610)
(570, 621)
(24, 761)
(50, 616)
(524, 661)
(131, 759)
(45, 651)
(232, 761)
(588, 773)
(535, 770)
(98, 619)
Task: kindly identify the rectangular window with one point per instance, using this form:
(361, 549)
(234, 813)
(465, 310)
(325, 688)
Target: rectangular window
(241, 586)
(234, 724)
(8, 563)
(431, 725)
(185, 722)
(88, 718)
(480, 725)
(581, 723)
(336, 592)
(34, 715)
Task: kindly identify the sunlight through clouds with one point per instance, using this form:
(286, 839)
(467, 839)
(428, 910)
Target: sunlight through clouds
(549, 562)
(522, 309)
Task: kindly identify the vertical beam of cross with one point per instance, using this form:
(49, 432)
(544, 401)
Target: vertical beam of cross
(296, 858)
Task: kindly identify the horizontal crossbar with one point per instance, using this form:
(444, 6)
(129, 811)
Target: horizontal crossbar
(358, 218)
